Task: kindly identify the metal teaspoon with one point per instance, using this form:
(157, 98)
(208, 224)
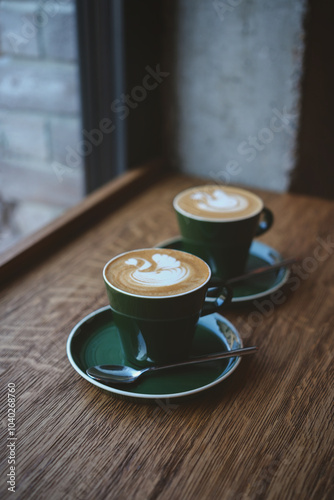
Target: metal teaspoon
(120, 374)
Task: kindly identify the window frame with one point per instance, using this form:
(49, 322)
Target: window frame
(117, 40)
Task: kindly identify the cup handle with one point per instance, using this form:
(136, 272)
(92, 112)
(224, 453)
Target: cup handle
(267, 219)
(223, 297)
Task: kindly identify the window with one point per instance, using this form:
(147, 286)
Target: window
(73, 115)
(40, 115)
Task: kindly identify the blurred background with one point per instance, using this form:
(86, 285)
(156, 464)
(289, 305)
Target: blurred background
(40, 114)
(236, 91)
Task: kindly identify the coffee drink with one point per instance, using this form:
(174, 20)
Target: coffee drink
(156, 272)
(157, 296)
(217, 203)
(218, 224)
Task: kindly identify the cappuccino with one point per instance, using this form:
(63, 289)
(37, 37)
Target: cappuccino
(217, 203)
(155, 272)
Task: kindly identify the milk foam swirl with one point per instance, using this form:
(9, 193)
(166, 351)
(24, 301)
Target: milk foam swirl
(219, 201)
(158, 271)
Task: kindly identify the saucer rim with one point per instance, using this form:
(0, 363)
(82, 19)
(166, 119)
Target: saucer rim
(144, 396)
(277, 258)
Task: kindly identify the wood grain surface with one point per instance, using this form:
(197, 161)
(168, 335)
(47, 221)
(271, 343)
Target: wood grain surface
(264, 433)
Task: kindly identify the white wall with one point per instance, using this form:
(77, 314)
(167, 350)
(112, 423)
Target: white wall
(237, 77)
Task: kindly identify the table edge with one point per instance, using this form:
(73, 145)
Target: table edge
(78, 218)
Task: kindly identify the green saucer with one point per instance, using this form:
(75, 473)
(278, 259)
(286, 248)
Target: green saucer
(95, 341)
(252, 288)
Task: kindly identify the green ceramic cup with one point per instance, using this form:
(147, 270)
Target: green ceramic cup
(157, 297)
(218, 224)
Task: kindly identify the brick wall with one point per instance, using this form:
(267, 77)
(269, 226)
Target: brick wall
(39, 114)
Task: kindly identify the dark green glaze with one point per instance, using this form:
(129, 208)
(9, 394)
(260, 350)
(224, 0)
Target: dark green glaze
(157, 308)
(259, 255)
(148, 342)
(159, 330)
(96, 341)
(223, 245)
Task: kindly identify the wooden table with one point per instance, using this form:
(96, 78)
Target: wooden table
(265, 432)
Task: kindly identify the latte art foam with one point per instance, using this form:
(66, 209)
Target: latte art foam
(160, 270)
(157, 272)
(217, 203)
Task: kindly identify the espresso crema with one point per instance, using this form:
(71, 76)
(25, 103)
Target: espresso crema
(217, 203)
(156, 272)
